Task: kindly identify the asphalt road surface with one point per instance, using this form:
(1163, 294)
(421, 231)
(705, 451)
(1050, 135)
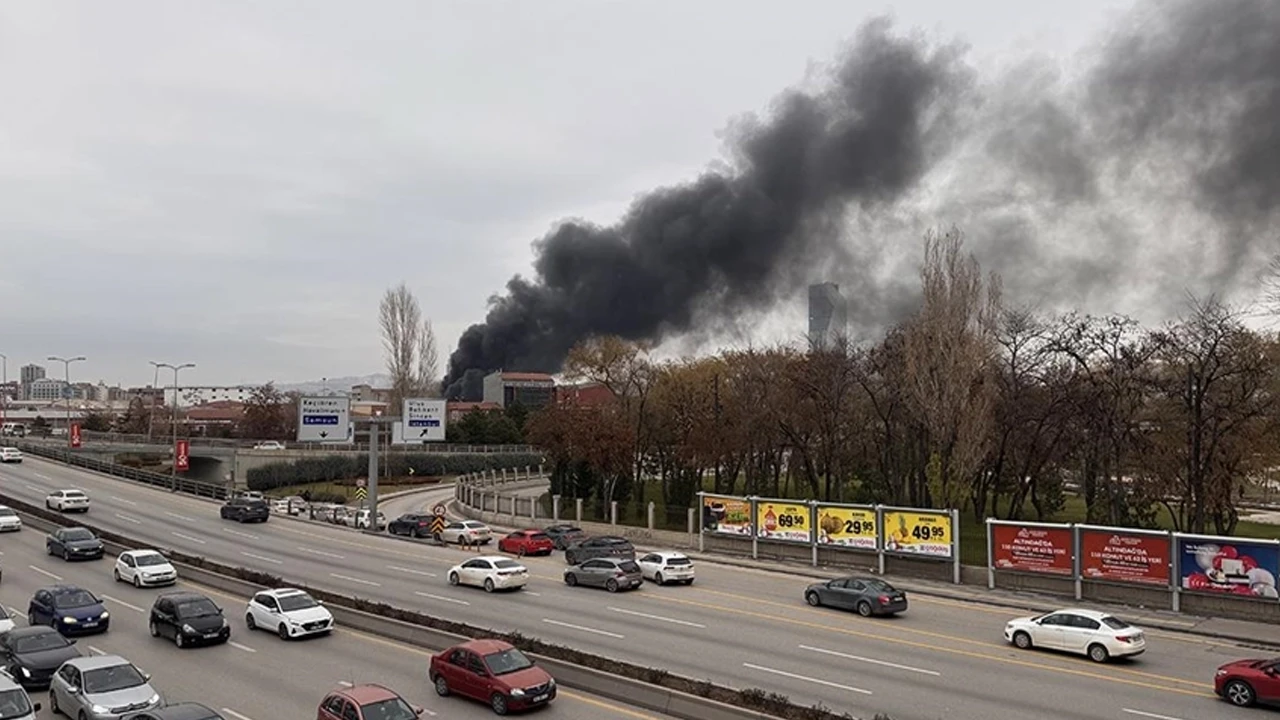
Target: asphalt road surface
(943, 659)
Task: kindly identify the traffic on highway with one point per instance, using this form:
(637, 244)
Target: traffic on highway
(737, 626)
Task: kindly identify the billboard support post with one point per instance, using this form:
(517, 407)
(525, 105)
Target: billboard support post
(955, 546)
(813, 531)
(1077, 569)
(880, 539)
(1175, 573)
(755, 531)
(702, 532)
(991, 557)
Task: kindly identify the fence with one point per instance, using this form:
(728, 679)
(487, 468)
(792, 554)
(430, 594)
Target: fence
(163, 440)
(168, 482)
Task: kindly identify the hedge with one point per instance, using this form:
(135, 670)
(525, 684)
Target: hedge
(332, 468)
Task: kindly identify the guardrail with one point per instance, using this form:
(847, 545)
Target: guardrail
(164, 441)
(168, 482)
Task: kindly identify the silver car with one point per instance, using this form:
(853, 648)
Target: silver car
(102, 687)
(612, 574)
(14, 702)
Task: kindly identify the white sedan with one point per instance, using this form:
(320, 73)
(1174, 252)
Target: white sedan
(289, 613)
(666, 567)
(1084, 632)
(468, 532)
(492, 572)
(144, 568)
(9, 520)
(67, 501)
(10, 455)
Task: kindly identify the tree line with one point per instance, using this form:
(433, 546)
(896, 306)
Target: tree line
(968, 403)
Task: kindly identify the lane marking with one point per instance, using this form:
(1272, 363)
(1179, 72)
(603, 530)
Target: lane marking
(187, 537)
(96, 651)
(583, 629)
(344, 683)
(530, 592)
(348, 578)
(16, 611)
(238, 646)
(263, 558)
(117, 498)
(1149, 715)
(443, 598)
(126, 518)
(673, 621)
(234, 714)
(33, 487)
(42, 476)
(322, 553)
(873, 661)
(794, 676)
(45, 572)
(180, 517)
(397, 568)
(241, 534)
(118, 601)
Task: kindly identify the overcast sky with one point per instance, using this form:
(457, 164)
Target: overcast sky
(235, 184)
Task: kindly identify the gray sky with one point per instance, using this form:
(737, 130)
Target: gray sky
(235, 183)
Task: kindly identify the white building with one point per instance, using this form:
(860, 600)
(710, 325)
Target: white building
(46, 389)
(202, 395)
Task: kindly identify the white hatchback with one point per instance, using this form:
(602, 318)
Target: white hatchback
(666, 567)
(1084, 632)
(144, 568)
(9, 520)
(67, 501)
(289, 613)
(10, 455)
(491, 572)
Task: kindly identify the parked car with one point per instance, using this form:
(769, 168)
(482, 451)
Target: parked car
(866, 595)
(32, 654)
(292, 505)
(74, 543)
(101, 687)
(10, 455)
(9, 520)
(67, 501)
(366, 702)
(565, 535)
(360, 520)
(245, 510)
(177, 711)
(69, 609)
(527, 542)
(144, 568)
(493, 672)
(1245, 683)
(469, 532)
(269, 445)
(412, 524)
(336, 514)
(1085, 632)
(289, 612)
(15, 704)
(493, 572)
(666, 567)
(612, 574)
(602, 546)
(188, 618)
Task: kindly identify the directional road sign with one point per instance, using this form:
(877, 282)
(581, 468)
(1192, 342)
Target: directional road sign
(324, 419)
(422, 421)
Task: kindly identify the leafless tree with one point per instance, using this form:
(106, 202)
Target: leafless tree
(409, 341)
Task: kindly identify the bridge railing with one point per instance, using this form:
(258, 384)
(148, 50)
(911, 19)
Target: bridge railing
(168, 482)
(89, 436)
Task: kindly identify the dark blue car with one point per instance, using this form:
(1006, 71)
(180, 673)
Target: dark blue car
(68, 609)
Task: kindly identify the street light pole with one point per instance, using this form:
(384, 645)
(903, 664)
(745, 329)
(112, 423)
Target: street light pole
(155, 385)
(66, 373)
(4, 395)
(175, 369)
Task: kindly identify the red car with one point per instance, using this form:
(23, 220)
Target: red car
(527, 542)
(366, 702)
(1247, 682)
(494, 672)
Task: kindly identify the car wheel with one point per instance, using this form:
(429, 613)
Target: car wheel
(812, 598)
(249, 623)
(453, 578)
(115, 573)
(611, 585)
(1239, 693)
(53, 703)
(283, 632)
(864, 608)
(137, 582)
(499, 704)
(570, 579)
(488, 585)
(442, 686)
(49, 548)
(155, 629)
(1022, 640)
(658, 579)
(179, 639)
(1098, 653)
(82, 716)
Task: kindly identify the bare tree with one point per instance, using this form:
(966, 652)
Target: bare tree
(410, 344)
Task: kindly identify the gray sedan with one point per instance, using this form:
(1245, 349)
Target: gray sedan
(867, 595)
(612, 574)
(104, 687)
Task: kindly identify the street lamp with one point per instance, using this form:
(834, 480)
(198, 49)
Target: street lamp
(66, 370)
(155, 384)
(4, 394)
(175, 369)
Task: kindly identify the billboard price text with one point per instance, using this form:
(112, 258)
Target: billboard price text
(780, 520)
(1031, 548)
(1124, 557)
(918, 533)
(726, 515)
(847, 527)
(1238, 567)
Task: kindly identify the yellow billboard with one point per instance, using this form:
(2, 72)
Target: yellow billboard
(847, 527)
(918, 532)
(783, 520)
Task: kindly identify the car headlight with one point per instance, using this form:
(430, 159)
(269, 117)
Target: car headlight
(154, 699)
(99, 709)
(25, 672)
(551, 683)
(225, 623)
(104, 615)
(1221, 673)
(69, 620)
(517, 693)
(188, 630)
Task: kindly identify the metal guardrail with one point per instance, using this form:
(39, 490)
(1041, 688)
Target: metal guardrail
(168, 482)
(231, 443)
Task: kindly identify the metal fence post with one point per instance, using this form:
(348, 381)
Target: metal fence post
(1175, 572)
(955, 547)
(651, 515)
(577, 509)
(755, 531)
(613, 512)
(991, 568)
(691, 517)
(702, 531)
(1077, 568)
(555, 508)
(813, 530)
(880, 543)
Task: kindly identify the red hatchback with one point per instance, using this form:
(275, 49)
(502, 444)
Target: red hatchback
(494, 672)
(1247, 682)
(366, 702)
(527, 542)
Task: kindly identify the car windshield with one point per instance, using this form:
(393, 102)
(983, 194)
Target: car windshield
(877, 585)
(506, 564)
(393, 709)
(1115, 623)
(203, 607)
(74, 599)
(7, 512)
(507, 661)
(80, 534)
(111, 679)
(14, 704)
(149, 560)
(629, 566)
(38, 643)
(290, 603)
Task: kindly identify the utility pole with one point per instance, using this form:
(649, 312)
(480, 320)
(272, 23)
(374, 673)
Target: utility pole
(174, 447)
(151, 404)
(374, 422)
(4, 395)
(66, 371)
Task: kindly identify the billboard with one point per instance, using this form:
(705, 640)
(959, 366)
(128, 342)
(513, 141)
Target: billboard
(1120, 556)
(1229, 565)
(726, 515)
(75, 435)
(783, 520)
(1032, 548)
(182, 456)
(918, 533)
(847, 527)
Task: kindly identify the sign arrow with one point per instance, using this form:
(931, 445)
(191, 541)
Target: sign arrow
(424, 433)
(324, 433)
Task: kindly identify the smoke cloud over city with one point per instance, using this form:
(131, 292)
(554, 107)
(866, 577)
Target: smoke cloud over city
(1153, 172)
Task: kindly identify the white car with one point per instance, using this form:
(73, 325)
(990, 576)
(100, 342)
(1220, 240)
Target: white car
(289, 613)
(10, 455)
(9, 520)
(1084, 632)
(466, 532)
(269, 445)
(6, 620)
(67, 501)
(666, 567)
(144, 568)
(491, 572)
(360, 519)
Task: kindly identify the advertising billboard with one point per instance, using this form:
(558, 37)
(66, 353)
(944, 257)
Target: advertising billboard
(726, 515)
(783, 520)
(1229, 565)
(1032, 548)
(923, 532)
(1119, 556)
(847, 527)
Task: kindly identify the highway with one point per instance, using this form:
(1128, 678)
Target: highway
(746, 628)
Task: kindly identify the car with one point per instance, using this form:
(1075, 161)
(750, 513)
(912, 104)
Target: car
(74, 543)
(366, 702)
(565, 535)
(269, 445)
(597, 547)
(9, 520)
(101, 687)
(242, 509)
(6, 620)
(1099, 635)
(144, 568)
(666, 567)
(31, 655)
(1245, 683)
(337, 514)
(292, 505)
(866, 595)
(468, 532)
(10, 455)
(527, 542)
(360, 520)
(612, 574)
(177, 711)
(493, 672)
(15, 704)
(189, 618)
(69, 609)
(251, 495)
(492, 572)
(411, 524)
(289, 612)
(67, 501)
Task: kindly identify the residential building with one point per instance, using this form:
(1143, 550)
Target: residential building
(532, 390)
(828, 315)
(456, 410)
(27, 375)
(150, 396)
(368, 393)
(584, 394)
(46, 389)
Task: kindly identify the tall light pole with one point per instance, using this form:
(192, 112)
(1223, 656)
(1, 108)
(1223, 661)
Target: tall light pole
(66, 372)
(155, 385)
(4, 394)
(175, 369)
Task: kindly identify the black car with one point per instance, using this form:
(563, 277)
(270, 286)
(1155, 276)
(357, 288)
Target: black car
(610, 546)
(69, 609)
(179, 711)
(412, 524)
(189, 618)
(31, 655)
(867, 595)
(74, 543)
(245, 510)
(565, 535)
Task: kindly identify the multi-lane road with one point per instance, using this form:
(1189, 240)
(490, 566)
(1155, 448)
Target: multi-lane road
(745, 628)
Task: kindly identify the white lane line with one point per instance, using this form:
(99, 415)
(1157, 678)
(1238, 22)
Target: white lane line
(806, 678)
(42, 476)
(322, 553)
(238, 646)
(187, 537)
(45, 572)
(530, 592)
(180, 517)
(117, 498)
(442, 598)
(344, 683)
(263, 558)
(234, 714)
(16, 611)
(118, 601)
(96, 651)
(126, 518)
(241, 534)
(1149, 715)
(873, 661)
(397, 568)
(673, 621)
(33, 487)
(583, 629)
(348, 578)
